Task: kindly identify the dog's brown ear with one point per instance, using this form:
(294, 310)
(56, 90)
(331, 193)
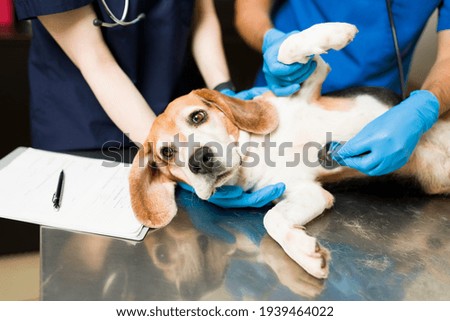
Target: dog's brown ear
(152, 193)
(255, 116)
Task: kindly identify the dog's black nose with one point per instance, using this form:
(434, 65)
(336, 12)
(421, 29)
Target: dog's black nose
(201, 162)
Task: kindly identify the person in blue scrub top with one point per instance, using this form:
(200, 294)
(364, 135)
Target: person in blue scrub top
(386, 143)
(99, 69)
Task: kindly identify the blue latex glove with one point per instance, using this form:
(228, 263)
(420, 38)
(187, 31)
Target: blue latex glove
(246, 94)
(283, 80)
(235, 197)
(388, 141)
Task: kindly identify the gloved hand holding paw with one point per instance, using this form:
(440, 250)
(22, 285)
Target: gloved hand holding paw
(283, 80)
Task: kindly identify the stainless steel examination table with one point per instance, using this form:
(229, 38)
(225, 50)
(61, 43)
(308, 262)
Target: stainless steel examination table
(387, 240)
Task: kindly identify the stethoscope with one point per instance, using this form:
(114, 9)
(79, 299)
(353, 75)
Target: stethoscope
(117, 21)
(397, 48)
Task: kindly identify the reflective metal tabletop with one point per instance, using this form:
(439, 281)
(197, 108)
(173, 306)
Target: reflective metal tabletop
(387, 241)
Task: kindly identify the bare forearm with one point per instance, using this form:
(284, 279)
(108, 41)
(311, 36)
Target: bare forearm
(438, 80)
(120, 99)
(84, 45)
(253, 20)
(207, 45)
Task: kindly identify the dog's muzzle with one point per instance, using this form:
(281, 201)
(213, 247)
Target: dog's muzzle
(202, 161)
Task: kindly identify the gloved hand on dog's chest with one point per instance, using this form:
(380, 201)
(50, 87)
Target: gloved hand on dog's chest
(282, 79)
(235, 197)
(386, 143)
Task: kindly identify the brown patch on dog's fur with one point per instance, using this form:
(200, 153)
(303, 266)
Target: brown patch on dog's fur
(334, 103)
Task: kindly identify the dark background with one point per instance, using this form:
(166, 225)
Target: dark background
(15, 126)
(14, 96)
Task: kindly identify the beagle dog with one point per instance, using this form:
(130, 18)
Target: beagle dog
(207, 140)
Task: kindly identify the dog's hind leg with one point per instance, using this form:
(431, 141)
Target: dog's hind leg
(430, 162)
(318, 39)
(284, 223)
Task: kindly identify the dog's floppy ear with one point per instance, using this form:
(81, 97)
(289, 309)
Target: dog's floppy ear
(152, 193)
(255, 116)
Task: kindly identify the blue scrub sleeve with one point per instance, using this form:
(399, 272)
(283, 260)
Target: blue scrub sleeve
(27, 9)
(444, 16)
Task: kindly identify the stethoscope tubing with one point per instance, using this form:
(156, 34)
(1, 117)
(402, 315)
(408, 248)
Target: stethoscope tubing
(117, 21)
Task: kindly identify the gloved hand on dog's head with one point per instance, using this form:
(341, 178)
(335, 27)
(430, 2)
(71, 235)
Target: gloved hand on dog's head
(246, 94)
(235, 197)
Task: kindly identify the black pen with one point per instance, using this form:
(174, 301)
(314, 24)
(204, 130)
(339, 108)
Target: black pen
(57, 197)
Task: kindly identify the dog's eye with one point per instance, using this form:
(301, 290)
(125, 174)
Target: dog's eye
(198, 117)
(167, 152)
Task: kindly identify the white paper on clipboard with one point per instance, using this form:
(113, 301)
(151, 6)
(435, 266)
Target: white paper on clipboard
(95, 196)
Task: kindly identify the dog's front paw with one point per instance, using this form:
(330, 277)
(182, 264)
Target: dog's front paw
(316, 40)
(307, 252)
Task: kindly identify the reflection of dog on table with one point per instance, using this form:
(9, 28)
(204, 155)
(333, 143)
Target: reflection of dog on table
(195, 252)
